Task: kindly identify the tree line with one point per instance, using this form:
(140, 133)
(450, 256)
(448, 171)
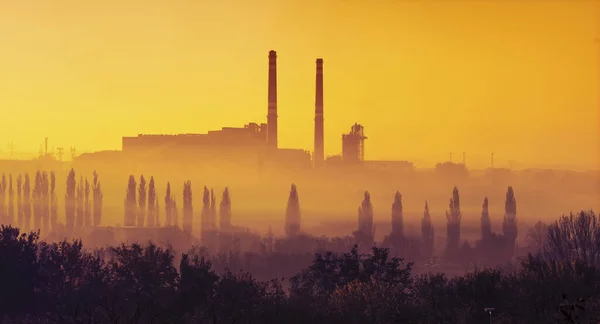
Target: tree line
(130, 283)
(37, 203)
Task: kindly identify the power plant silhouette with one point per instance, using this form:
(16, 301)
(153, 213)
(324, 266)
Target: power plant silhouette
(255, 141)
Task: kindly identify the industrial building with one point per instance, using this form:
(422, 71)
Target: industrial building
(254, 143)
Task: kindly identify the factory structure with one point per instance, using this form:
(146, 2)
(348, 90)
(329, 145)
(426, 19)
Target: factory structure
(255, 142)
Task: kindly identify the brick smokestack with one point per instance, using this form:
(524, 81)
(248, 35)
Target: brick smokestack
(319, 150)
(272, 110)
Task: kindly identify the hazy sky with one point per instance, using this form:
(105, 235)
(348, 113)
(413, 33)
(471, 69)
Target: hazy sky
(425, 78)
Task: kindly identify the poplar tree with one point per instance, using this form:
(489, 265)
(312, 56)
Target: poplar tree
(37, 202)
(486, 224)
(225, 211)
(130, 202)
(11, 201)
(79, 216)
(397, 216)
(97, 194)
(509, 224)
(88, 205)
(53, 202)
(188, 209)
(26, 203)
(205, 216)
(142, 202)
(151, 222)
(2, 200)
(70, 202)
(292, 213)
(168, 206)
(45, 201)
(453, 217)
(427, 233)
(19, 203)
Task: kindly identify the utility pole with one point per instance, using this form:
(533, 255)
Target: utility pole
(492, 160)
(450, 157)
(464, 159)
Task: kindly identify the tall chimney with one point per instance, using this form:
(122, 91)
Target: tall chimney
(272, 110)
(319, 150)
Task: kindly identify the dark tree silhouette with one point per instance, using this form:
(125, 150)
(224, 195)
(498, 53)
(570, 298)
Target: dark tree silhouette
(168, 207)
(205, 215)
(366, 230)
(11, 201)
(225, 211)
(188, 209)
(509, 225)
(79, 216)
(150, 221)
(37, 202)
(97, 193)
(27, 202)
(87, 212)
(53, 202)
(397, 216)
(574, 237)
(213, 210)
(70, 201)
(142, 202)
(45, 201)
(292, 213)
(19, 202)
(3, 188)
(427, 233)
(453, 226)
(486, 224)
(130, 203)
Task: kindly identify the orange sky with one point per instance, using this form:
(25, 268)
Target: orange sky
(425, 78)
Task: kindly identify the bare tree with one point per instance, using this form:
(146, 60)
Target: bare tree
(574, 237)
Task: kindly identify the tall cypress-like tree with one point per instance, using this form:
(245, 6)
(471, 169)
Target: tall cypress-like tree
(427, 233)
(142, 202)
(19, 203)
(292, 213)
(37, 202)
(97, 193)
(156, 213)
(509, 224)
(188, 209)
(151, 202)
(225, 211)
(174, 212)
(213, 210)
(11, 201)
(486, 224)
(88, 205)
(45, 201)
(26, 203)
(70, 202)
(453, 226)
(130, 202)
(205, 216)
(79, 216)
(53, 202)
(168, 206)
(366, 230)
(2, 200)
(397, 216)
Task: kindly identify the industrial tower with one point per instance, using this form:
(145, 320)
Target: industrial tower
(319, 149)
(272, 110)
